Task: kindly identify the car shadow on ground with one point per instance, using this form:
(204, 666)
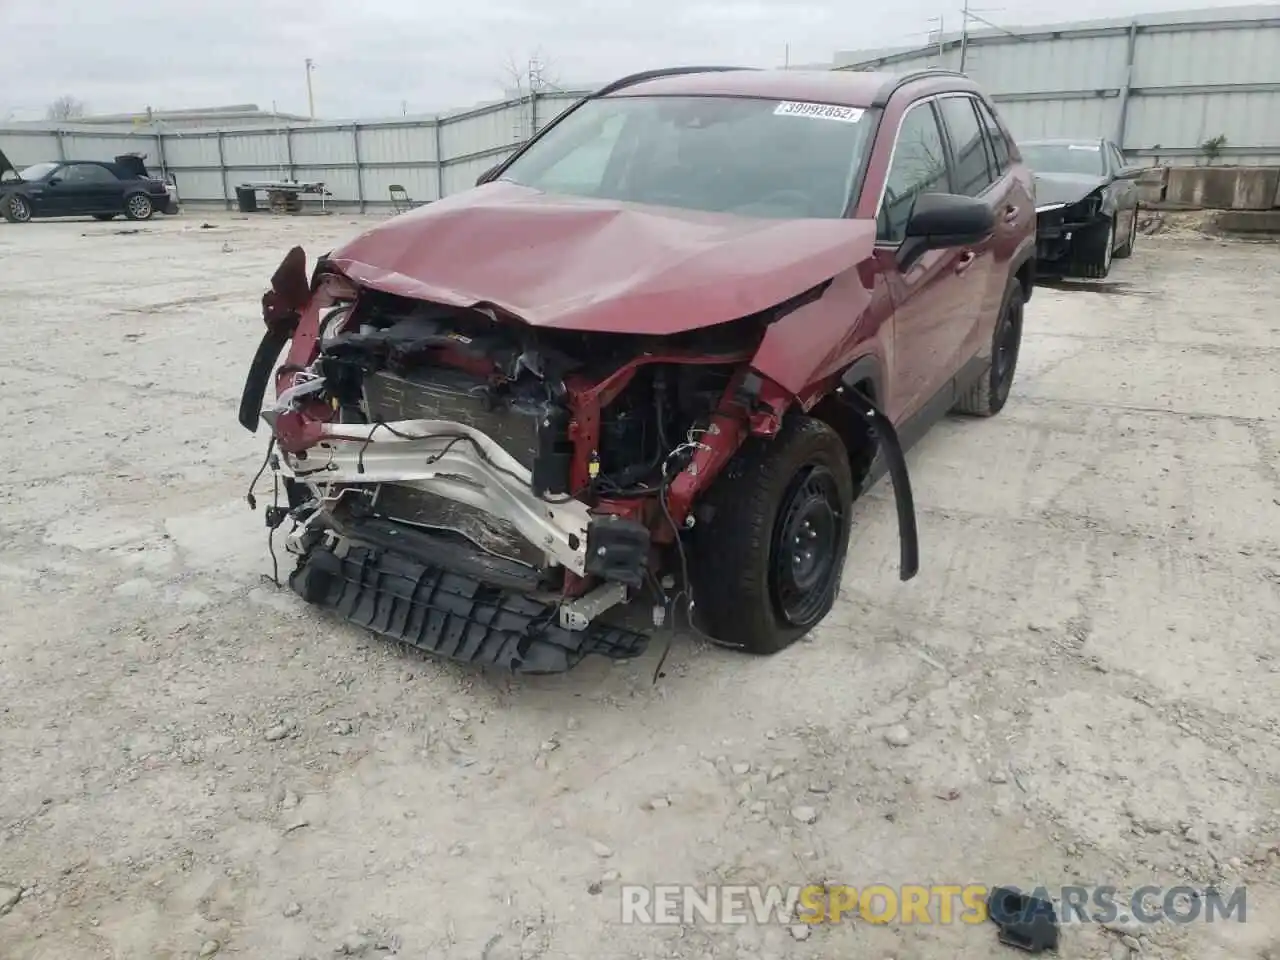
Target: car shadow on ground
(1117, 288)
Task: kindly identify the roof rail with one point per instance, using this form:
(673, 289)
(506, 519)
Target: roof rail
(658, 74)
(899, 80)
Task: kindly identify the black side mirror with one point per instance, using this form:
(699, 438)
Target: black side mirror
(54, 181)
(941, 220)
(487, 175)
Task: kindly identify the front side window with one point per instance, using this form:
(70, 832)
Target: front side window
(736, 155)
(971, 174)
(996, 137)
(37, 171)
(919, 166)
(1080, 158)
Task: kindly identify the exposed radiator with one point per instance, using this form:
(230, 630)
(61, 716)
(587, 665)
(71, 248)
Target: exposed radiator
(453, 396)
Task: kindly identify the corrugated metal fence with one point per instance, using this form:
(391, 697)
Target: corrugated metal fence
(1160, 86)
(358, 161)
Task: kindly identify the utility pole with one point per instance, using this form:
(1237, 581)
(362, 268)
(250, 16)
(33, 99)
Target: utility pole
(311, 99)
(964, 34)
(786, 57)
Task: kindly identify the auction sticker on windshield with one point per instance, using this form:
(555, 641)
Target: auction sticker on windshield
(820, 111)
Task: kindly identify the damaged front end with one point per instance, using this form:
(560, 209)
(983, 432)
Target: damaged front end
(1060, 228)
(485, 489)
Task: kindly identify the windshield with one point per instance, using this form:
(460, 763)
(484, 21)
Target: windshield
(37, 171)
(759, 158)
(1081, 158)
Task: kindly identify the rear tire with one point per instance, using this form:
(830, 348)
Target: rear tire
(766, 560)
(138, 207)
(16, 209)
(988, 396)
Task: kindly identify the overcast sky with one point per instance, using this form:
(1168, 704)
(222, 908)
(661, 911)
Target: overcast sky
(125, 55)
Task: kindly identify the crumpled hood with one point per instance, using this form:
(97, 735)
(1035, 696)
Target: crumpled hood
(6, 166)
(578, 264)
(1065, 187)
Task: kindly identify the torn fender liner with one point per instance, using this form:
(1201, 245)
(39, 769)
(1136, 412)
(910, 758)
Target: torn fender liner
(452, 615)
(886, 437)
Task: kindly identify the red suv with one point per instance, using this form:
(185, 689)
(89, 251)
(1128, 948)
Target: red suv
(654, 355)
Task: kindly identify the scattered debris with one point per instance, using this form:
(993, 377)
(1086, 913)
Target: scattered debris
(9, 895)
(800, 931)
(741, 769)
(952, 794)
(600, 849)
(1026, 922)
(458, 715)
(354, 945)
(805, 814)
(209, 948)
(897, 736)
(279, 731)
(292, 909)
(297, 825)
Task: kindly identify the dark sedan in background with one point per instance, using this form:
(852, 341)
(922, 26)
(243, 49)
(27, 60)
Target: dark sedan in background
(1086, 205)
(84, 188)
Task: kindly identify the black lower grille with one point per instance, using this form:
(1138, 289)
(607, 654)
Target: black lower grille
(451, 614)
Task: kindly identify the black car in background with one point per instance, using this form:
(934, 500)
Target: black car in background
(71, 188)
(1086, 205)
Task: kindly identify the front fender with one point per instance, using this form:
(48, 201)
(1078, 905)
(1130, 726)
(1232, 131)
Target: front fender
(816, 341)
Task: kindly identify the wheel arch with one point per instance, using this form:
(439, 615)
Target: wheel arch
(865, 374)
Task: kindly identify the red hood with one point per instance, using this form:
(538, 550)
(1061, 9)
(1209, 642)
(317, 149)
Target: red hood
(590, 265)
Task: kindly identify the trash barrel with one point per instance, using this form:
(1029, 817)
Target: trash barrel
(247, 199)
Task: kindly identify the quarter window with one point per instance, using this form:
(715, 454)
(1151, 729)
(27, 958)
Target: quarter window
(971, 174)
(996, 136)
(918, 166)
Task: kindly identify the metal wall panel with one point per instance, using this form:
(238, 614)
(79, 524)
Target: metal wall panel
(1029, 119)
(419, 182)
(478, 132)
(321, 147)
(461, 176)
(1189, 119)
(24, 147)
(256, 150)
(186, 150)
(342, 182)
(1191, 80)
(398, 144)
(199, 185)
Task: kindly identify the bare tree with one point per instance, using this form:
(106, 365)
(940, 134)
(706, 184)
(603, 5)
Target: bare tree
(65, 108)
(523, 79)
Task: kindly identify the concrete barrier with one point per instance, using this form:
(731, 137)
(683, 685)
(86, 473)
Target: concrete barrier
(1249, 222)
(1224, 188)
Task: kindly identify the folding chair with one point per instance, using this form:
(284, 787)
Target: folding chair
(400, 198)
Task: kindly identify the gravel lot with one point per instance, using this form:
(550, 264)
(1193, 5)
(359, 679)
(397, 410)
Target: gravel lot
(1086, 671)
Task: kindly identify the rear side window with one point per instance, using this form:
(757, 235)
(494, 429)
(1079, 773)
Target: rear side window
(969, 152)
(999, 145)
(919, 166)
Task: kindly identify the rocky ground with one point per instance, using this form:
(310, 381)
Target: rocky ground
(1082, 685)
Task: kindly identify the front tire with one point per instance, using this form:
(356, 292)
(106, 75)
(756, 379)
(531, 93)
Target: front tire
(1126, 250)
(1096, 249)
(988, 396)
(17, 209)
(767, 557)
(138, 207)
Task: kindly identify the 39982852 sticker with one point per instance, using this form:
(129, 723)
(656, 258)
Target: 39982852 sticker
(819, 111)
